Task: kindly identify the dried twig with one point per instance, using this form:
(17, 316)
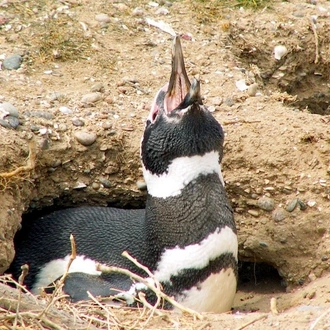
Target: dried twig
(251, 322)
(231, 122)
(25, 270)
(155, 286)
(314, 324)
(60, 282)
(108, 313)
(314, 29)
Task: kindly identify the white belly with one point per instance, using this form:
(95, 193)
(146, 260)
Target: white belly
(215, 294)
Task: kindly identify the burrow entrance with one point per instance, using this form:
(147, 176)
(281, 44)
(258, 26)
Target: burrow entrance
(257, 281)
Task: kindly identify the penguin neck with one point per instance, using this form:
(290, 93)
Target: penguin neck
(186, 204)
(180, 173)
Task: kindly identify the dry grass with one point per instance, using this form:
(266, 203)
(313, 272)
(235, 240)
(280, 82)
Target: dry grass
(20, 309)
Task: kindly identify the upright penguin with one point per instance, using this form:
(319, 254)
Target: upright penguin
(186, 235)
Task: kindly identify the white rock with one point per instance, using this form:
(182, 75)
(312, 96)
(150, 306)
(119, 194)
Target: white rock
(280, 51)
(91, 97)
(241, 85)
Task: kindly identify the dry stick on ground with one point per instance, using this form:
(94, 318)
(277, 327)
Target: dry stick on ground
(31, 161)
(314, 324)
(107, 310)
(251, 322)
(155, 286)
(25, 270)
(60, 282)
(314, 28)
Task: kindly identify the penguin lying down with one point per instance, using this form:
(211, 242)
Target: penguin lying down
(186, 234)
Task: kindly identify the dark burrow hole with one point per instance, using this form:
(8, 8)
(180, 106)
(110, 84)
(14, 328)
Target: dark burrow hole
(260, 278)
(312, 92)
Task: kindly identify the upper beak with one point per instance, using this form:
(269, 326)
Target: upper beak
(179, 83)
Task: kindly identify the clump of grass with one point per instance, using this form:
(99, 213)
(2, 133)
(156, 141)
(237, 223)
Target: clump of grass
(59, 39)
(212, 11)
(255, 4)
(207, 11)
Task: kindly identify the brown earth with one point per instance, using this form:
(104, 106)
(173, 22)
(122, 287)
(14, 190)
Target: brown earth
(277, 150)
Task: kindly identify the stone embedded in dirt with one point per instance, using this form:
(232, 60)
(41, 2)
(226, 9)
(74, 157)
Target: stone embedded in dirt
(216, 100)
(292, 205)
(279, 214)
(138, 11)
(266, 203)
(280, 51)
(252, 89)
(141, 185)
(65, 110)
(98, 87)
(103, 18)
(85, 138)
(91, 97)
(78, 122)
(8, 107)
(55, 96)
(13, 121)
(80, 185)
(254, 213)
(13, 62)
(4, 123)
(105, 182)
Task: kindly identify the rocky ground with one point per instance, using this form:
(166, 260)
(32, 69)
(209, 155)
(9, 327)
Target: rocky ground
(76, 82)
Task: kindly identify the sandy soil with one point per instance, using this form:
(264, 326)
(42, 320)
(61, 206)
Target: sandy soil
(277, 149)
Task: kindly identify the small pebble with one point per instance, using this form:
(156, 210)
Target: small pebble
(99, 87)
(106, 125)
(4, 123)
(85, 138)
(78, 122)
(302, 205)
(311, 203)
(216, 101)
(91, 97)
(229, 101)
(13, 62)
(266, 203)
(65, 110)
(8, 107)
(95, 185)
(254, 213)
(55, 96)
(292, 205)
(13, 121)
(279, 214)
(105, 182)
(141, 185)
(39, 114)
(138, 11)
(252, 89)
(79, 185)
(103, 18)
(263, 244)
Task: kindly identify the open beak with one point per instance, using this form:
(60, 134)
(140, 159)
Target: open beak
(179, 83)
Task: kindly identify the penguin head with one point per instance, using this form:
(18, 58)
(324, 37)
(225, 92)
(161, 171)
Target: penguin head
(179, 125)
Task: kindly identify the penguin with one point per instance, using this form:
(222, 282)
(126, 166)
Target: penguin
(186, 234)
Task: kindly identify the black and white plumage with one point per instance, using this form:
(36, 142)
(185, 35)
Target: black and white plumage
(186, 235)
